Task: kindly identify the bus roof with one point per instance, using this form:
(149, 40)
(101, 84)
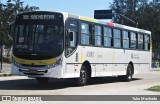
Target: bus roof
(110, 24)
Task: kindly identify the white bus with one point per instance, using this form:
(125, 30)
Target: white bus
(51, 44)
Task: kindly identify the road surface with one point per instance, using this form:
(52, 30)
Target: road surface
(20, 85)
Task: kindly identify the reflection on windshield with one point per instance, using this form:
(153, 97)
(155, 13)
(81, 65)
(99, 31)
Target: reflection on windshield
(39, 38)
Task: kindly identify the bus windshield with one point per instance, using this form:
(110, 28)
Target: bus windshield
(42, 38)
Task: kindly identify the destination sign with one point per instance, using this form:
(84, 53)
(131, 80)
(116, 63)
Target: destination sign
(38, 17)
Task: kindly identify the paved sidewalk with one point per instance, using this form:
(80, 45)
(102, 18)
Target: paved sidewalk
(5, 73)
(6, 70)
(155, 69)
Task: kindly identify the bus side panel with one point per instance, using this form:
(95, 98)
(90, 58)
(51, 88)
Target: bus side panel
(70, 66)
(119, 66)
(132, 56)
(143, 61)
(74, 64)
(105, 62)
(69, 72)
(87, 53)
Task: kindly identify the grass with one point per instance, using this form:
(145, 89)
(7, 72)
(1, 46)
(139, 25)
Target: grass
(155, 88)
(155, 69)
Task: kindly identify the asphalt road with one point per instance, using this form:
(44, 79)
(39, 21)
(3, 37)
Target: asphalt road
(20, 85)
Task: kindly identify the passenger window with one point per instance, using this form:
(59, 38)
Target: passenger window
(133, 42)
(107, 37)
(147, 42)
(97, 38)
(117, 38)
(140, 41)
(85, 34)
(125, 39)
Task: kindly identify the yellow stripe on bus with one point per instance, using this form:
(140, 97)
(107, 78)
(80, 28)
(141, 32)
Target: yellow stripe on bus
(81, 58)
(88, 19)
(34, 62)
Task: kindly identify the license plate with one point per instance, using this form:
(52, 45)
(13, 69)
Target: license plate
(32, 71)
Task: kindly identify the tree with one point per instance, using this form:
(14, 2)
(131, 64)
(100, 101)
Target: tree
(8, 12)
(126, 8)
(145, 12)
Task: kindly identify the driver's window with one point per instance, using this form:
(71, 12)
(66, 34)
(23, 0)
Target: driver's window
(72, 42)
(71, 36)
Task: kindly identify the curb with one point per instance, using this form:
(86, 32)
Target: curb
(154, 70)
(5, 74)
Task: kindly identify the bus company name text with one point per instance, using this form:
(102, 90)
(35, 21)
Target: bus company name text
(35, 17)
(90, 54)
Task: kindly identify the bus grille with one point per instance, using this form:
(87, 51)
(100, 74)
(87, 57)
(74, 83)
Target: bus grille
(33, 72)
(33, 65)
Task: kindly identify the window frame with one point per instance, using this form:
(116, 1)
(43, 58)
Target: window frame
(140, 41)
(149, 42)
(97, 35)
(76, 30)
(133, 40)
(112, 37)
(105, 36)
(120, 38)
(126, 39)
(89, 34)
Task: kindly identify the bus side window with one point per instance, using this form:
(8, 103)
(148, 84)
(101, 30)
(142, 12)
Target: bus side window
(117, 38)
(125, 43)
(97, 36)
(107, 37)
(133, 40)
(146, 42)
(140, 41)
(85, 34)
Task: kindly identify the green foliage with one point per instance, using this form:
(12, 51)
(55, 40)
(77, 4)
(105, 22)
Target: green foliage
(155, 88)
(145, 12)
(8, 12)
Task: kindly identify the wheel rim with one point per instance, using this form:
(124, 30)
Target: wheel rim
(129, 74)
(83, 76)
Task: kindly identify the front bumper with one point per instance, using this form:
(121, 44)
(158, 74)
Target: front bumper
(56, 72)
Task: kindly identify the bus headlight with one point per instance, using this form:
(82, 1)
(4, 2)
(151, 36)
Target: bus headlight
(58, 62)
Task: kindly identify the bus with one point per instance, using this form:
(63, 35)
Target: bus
(49, 44)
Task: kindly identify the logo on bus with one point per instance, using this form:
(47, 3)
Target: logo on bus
(134, 56)
(90, 54)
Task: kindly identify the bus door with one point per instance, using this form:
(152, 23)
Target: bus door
(71, 52)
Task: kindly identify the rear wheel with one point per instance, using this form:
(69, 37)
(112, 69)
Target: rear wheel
(129, 74)
(42, 80)
(82, 80)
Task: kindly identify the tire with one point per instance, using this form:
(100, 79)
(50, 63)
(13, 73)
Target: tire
(82, 80)
(129, 73)
(42, 81)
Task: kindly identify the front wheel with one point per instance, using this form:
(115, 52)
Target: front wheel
(82, 80)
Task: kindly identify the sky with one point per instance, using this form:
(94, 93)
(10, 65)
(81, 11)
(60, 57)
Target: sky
(78, 7)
